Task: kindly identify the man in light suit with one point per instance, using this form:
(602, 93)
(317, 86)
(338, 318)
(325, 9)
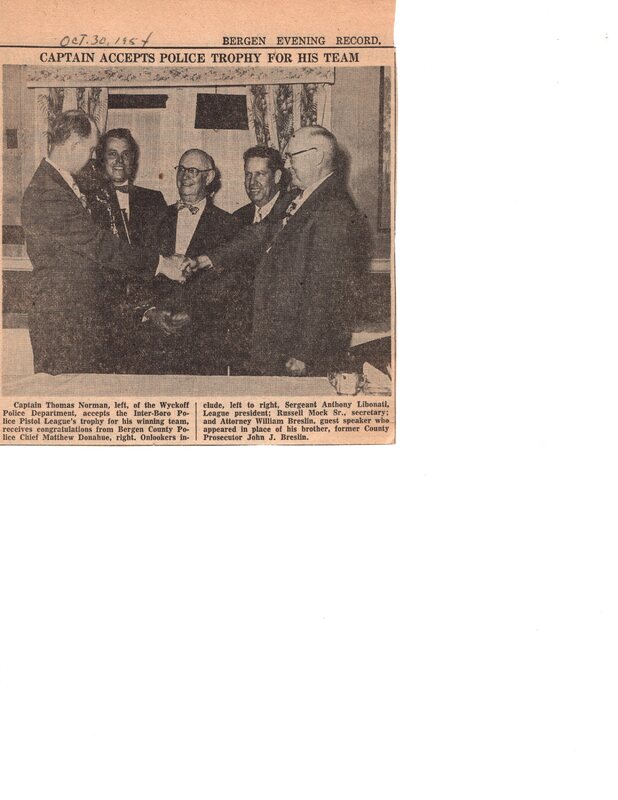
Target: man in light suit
(176, 342)
(307, 270)
(265, 186)
(80, 271)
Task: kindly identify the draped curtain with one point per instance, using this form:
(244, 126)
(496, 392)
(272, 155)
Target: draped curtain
(49, 102)
(276, 111)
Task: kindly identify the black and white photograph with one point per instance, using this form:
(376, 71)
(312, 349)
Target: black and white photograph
(184, 231)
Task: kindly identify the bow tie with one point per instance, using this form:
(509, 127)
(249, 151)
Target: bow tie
(180, 205)
(124, 188)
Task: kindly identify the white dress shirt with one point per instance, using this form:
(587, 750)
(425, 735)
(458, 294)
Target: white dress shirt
(123, 201)
(186, 225)
(262, 213)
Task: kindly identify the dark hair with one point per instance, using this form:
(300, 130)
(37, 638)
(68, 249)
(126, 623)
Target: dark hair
(68, 122)
(118, 133)
(273, 156)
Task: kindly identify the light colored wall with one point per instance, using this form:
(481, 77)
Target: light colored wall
(164, 134)
(18, 114)
(356, 124)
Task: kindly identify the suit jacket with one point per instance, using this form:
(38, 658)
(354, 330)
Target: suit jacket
(146, 207)
(245, 214)
(201, 347)
(79, 279)
(306, 281)
(214, 228)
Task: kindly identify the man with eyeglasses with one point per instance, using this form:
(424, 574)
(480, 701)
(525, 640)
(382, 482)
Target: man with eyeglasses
(190, 321)
(306, 278)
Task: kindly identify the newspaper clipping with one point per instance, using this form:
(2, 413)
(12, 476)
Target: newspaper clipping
(198, 222)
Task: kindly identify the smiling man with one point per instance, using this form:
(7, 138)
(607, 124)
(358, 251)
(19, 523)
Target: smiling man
(190, 343)
(127, 210)
(307, 274)
(80, 270)
(305, 286)
(264, 185)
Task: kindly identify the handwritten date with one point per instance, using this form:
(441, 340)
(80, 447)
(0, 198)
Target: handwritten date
(95, 39)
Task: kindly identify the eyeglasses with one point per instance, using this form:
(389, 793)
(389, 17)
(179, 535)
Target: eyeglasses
(192, 171)
(298, 152)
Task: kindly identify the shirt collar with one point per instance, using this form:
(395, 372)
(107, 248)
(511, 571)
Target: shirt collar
(63, 173)
(265, 210)
(304, 195)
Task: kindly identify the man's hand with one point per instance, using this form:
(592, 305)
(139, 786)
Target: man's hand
(201, 262)
(171, 267)
(295, 367)
(188, 266)
(170, 324)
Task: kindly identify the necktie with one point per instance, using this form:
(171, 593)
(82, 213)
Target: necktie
(292, 208)
(124, 188)
(180, 205)
(289, 213)
(258, 215)
(79, 195)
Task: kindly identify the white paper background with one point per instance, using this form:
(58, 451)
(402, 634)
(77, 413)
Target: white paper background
(431, 620)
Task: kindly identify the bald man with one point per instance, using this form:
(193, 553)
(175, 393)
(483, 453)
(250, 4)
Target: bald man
(175, 342)
(306, 275)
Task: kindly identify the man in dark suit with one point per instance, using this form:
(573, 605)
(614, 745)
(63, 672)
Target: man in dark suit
(194, 342)
(264, 184)
(117, 203)
(306, 276)
(80, 271)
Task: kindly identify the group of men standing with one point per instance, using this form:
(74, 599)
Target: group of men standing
(122, 282)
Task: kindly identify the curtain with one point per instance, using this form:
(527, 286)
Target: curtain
(276, 111)
(51, 102)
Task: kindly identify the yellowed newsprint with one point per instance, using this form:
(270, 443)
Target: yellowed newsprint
(197, 222)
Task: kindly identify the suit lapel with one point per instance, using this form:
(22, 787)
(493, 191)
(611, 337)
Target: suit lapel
(53, 174)
(200, 232)
(245, 214)
(279, 209)
(295, 224)
(315, 198)
(168, 231)
(135, 213)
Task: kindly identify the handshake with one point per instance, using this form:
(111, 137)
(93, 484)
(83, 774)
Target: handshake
(178, 267)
